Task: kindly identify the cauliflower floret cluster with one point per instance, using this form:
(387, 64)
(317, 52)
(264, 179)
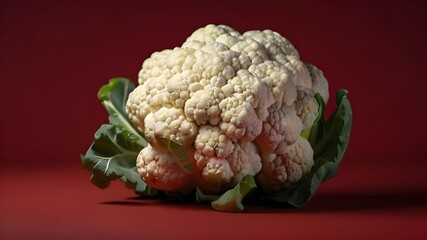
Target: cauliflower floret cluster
(236, 102)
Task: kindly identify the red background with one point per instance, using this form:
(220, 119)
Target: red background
(54, 56)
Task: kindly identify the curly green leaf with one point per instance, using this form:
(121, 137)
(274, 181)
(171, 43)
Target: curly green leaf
(334, 141)
(113, 156)
(231, 200)
(113, 97)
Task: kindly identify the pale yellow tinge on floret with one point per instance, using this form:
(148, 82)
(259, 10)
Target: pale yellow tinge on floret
(306, 106)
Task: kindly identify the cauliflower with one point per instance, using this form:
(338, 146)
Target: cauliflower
(237, 102)
(219, 116)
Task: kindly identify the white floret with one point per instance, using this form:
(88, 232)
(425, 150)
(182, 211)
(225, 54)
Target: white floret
(244, 160)
(319, 82)
(240, 121)
(306, 107)
(211, 142)
(228, 40)
(237, 102)
(253, 49)
(210, 33)
(280, 171)
(180, 88)
(282, 128)
(203, 107)
(153, 66)
(221, 160)
(212, 147)
(275, 44)
(217, 171)
(160, 170)
(244, 107)
(144, 100)
(301, 75)
(278, 80)
(169, 123)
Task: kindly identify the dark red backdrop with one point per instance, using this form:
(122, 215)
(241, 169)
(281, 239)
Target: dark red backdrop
(54, 55)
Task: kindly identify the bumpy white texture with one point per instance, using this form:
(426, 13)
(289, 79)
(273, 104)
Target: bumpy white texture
(160, 170)
(281, 128)
(240, 101)
(169, 123)
(280, 171)
(212, 147)
(221, 160)
(319, 82)
(306, 106)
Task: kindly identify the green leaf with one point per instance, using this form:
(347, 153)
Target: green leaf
(114, 96)
(334, 141)
(329, 148)
(113, 156)
(231, 200)
(201, 197)
(181, 153)
(113, 153)
(305, 190)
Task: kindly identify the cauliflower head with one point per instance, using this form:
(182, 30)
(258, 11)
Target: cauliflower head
(237, 103)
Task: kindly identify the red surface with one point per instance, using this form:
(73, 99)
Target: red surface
(61, 204)
(55, 55)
